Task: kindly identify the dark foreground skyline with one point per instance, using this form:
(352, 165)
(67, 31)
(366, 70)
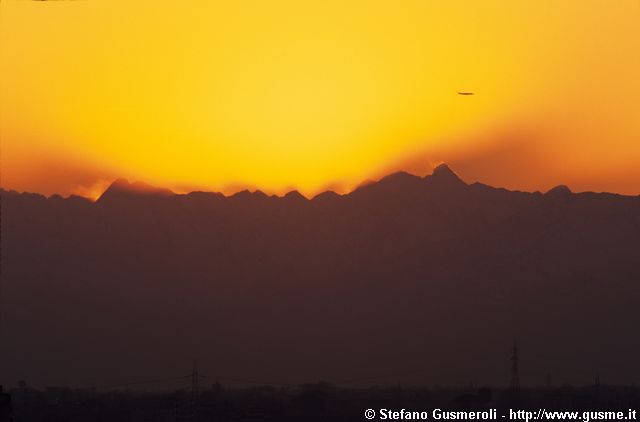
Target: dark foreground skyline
(414, 280)
(310, 402)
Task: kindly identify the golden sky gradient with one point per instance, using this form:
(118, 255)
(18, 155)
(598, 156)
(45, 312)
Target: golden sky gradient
(282, 94)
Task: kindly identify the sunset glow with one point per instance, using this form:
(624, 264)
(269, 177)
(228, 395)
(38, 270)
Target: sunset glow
(285, 94)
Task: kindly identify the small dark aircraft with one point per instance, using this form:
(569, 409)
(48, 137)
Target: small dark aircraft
(465, 93)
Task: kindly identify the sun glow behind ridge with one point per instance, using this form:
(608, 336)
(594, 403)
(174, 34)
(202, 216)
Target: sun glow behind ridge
(283, 94)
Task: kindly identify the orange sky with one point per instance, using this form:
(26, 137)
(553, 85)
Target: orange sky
(283, 94)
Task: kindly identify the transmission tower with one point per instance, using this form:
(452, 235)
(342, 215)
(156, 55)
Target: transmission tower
(194, 391)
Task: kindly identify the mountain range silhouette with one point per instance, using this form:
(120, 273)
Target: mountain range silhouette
(424, 280)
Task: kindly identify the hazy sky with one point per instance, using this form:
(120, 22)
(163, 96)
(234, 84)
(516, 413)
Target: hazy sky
(281, 94)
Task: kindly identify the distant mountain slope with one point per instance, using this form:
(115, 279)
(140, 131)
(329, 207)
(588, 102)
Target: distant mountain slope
(425, 280)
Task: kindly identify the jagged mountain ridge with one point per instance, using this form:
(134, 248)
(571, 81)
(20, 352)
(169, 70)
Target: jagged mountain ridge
(404, 273)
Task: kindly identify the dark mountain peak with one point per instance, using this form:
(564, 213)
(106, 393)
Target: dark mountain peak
(443, 175)
(396, 180)
(327, 195)
(118, 184)
(204, 194)
(118, 188)
(559, 191)
(246, 193)
(398, 183)
(326, 198)
(294, 195)
(241, 194)
(121, 188)
(442, 168)
(260, 194)
(399, 177)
